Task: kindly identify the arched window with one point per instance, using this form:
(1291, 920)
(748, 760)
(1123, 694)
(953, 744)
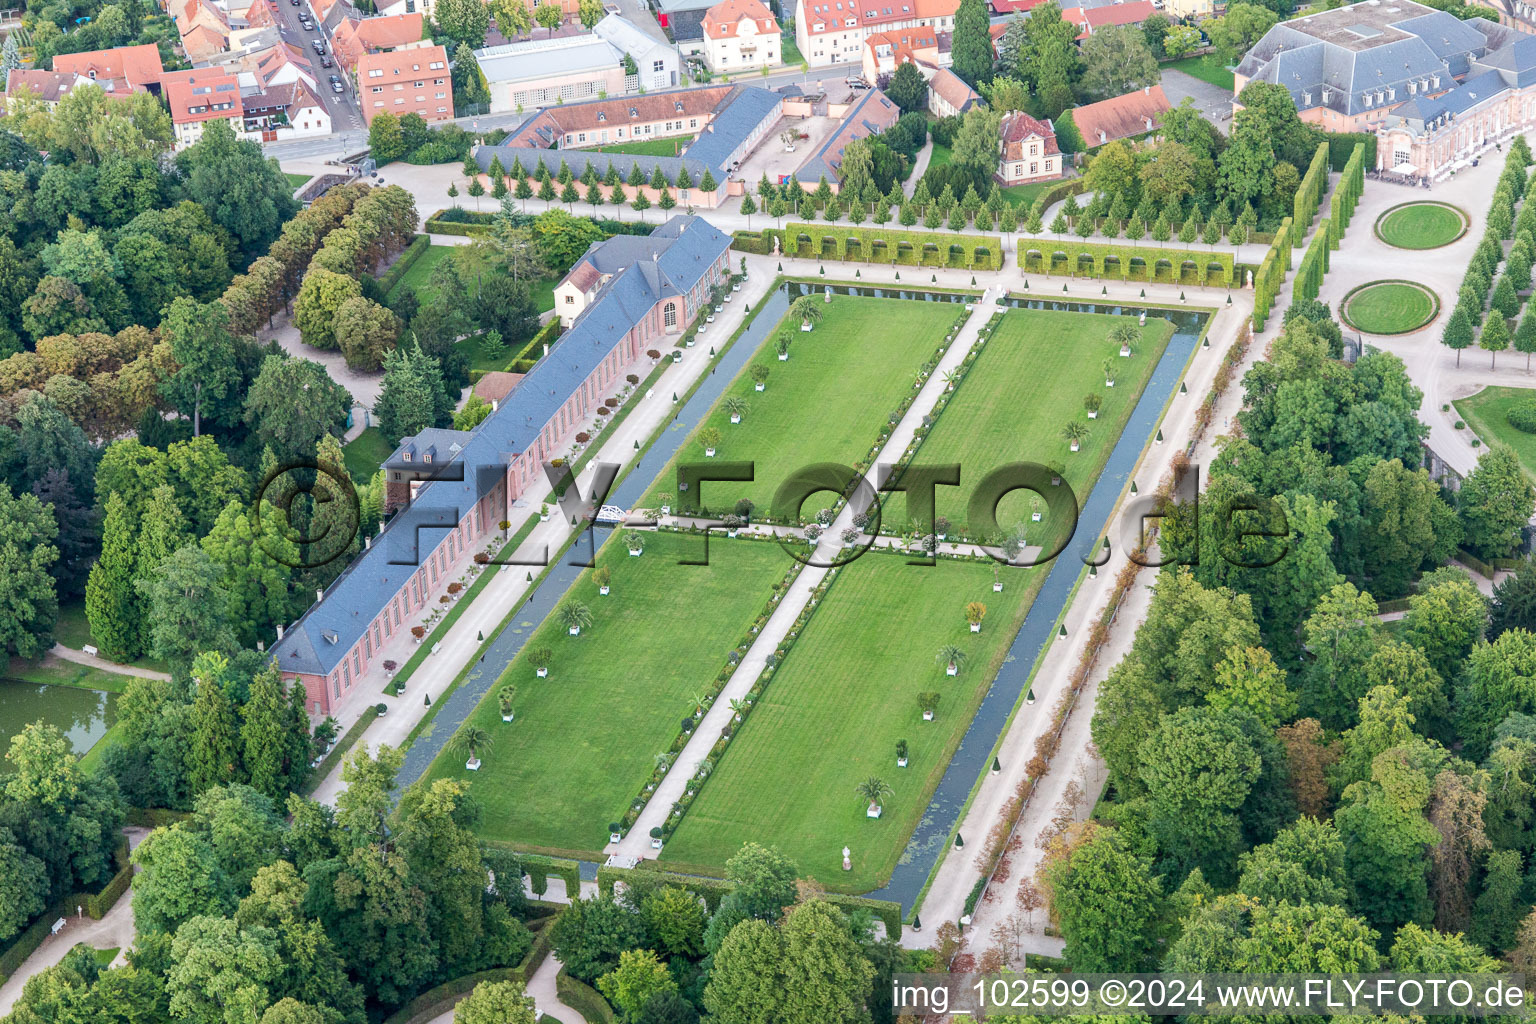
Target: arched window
(669, 315)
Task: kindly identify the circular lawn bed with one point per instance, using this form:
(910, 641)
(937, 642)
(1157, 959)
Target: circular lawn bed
(1389, 307)
(1423, 225)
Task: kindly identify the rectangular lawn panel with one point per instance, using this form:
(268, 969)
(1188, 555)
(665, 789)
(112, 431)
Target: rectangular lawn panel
(584, 740)
(1487, 414)
(1028, 382)
(828, 402)
(830, 718)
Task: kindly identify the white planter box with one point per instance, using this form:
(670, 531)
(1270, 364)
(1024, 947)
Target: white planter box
(783, 357)
(997, 588)
(709, 453)
(1074, 447)
(951, 669)
(873, 811)
(575, 631)
(735, 287)
(603, 591)
(655, 844)
(472, 765)
(666, 510)
(1109, 383)
(542, 673)
(1124, 352)
(1034, 517)
(927, 716)
(901, 762)
(691, 343)
(735, 417)
(975, 627)
(543, 517)
(507, 718)
(805, 325)
(635, 554)
(719, 308)
(614, 837)
(758, 387)
(1093, 414)
(731, 533)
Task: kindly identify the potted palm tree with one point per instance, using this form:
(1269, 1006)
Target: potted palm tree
(471, 739)
(928, 703)
(635, 541)
(807, 311)
(901, 753)
(709, 437)
(739, 708)
(615, 832)
(975, 611)
(700, 702)
(873, 789)
(1125, 336)
(601, 576)
(1073, 433)
(575, 616)
(1092, 403)
(940, 527)
(782, 347)
(1057, 467)
(951, 657)
(736, 406)
(759, 376)
(664, 502)
(504, 698)
(655, 837)
(1034, 509)
(543, 513)
(951, 378)
(1109, 374)
(540, 657)
(997, 581)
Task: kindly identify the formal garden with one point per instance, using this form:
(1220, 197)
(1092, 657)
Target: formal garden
(826, 392)
(1422, 225)
(584, 735)
(1036, 388)
(848, 702)
(1389, 307)
(1503, 415)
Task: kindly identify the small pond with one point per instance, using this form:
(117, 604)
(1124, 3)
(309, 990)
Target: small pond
(83, 716)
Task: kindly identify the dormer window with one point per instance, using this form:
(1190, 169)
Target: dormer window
(678, 106)
(633, 112)
(427, 457)
(405, 457)
(602, 116)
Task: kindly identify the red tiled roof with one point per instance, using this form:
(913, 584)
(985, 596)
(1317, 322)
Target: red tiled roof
(51, 86)
(1018, 126)
(583, 276)
(951, 88)
(822, 16)
(402, 62)
(904, 43)
(496, 385)
(201, 94)
(1012, 6)
(137, 66)
(579, 117)
(1120, 117)
(1132, 12)
(720, 21)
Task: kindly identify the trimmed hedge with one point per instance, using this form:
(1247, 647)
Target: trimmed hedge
(903, 246)
(407, 259)
(1341, 147)
(1271, 275)
(584, 999)
(713, 890)
(538, 868)
(1347, 195)
(1314, 263)
(1313, 184)
(1523, 416)
(442, 998)
(1087, 259)
(759, 243)
(95, 904)
(443, 227)
(1056, 193)
(154, 817)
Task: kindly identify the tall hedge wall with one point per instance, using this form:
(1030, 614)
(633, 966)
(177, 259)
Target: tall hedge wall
(1091, 259)
(903, 246)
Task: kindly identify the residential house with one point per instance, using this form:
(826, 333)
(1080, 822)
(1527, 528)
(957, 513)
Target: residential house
(50, 86)
(949, 96)
(415, 81)
(1090, 19)
(1027, 151)
(354, 37)
(122, 69)
(199, 96)
(872, 113)
(451, 489)
(834, 31)
(1121, 117)
(740, 35)
(884, 52)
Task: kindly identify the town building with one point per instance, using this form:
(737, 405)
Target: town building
(834, 31)
(1121, 117)
(1027, 151)
(1089, 19)
(449, 490)
(203, 27)
(539, 72)
(48, 86)
(949, 96)
(199, 96)
(1436, 91)
(683, 21)
(740, 35)
(119, 70)
(414, 81)
(872, 113)
(884, 52)
(355, 36)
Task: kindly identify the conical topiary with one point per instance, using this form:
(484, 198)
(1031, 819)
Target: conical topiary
(959, 843)
(426, 701)
(530, 576)
(637, 444)
(1182, 389)
(1133, 486)
(479, 637)
(997, 765)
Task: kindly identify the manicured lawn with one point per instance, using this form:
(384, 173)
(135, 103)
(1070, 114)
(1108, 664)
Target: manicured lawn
(1486, 415)
(1389, 307)
(416, 278)
(1208, 69)
(940, 155)
(1024, 195)
(789, 53)
(73, 630)
(672, 145)
(1421, 225)
(297, 180)
(585, 739)
(364, 454)
(828, 402)
(830, 718)
(1028, 382)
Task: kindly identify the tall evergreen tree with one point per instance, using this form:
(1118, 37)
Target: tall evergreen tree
(111, 603)
(263, 743)
(973, 43)
(211, 758)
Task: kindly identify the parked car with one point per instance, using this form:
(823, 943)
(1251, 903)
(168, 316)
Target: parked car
(856, 83)
(338, 87)
(326, 62)
(319, 47)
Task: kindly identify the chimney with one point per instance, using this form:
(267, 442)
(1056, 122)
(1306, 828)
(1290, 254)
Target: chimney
(279, 630)
(493, 405)
(367, 543)
(1146, 90)
(319, 596)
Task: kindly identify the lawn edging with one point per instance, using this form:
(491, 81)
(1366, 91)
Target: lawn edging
(1434, 302)
(1466, 223)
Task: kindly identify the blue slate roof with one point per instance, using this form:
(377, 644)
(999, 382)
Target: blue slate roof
(828, 156)
(733, 122)
(680, 252)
